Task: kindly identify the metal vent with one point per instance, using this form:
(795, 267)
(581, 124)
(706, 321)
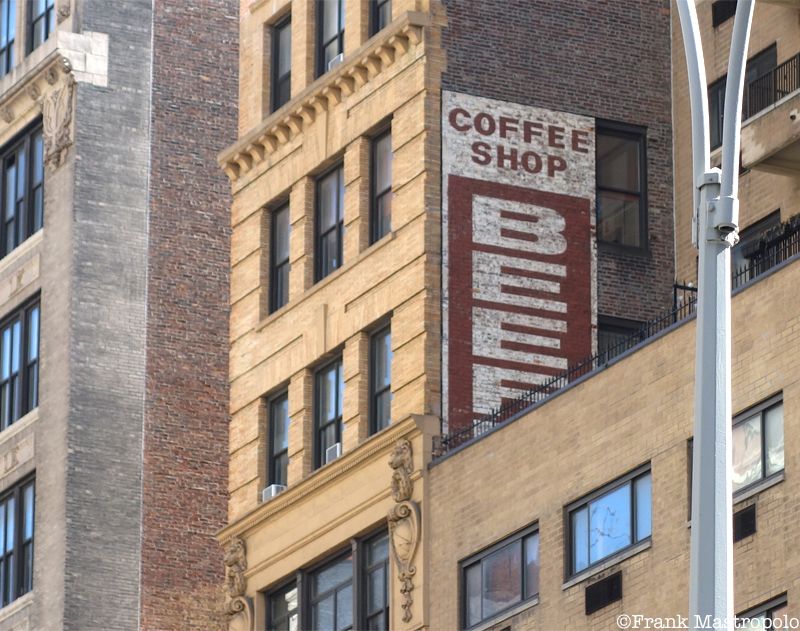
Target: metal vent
(603, 592)
(744, 523)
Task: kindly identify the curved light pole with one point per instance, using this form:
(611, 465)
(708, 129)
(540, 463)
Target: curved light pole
(714, 230)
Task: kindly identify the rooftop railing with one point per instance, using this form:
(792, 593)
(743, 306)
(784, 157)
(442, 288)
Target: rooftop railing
(771, 87)
(773, 248)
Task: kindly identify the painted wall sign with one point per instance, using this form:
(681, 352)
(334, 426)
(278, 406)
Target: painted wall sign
(519, 266)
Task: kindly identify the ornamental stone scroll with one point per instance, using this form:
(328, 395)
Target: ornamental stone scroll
(404, 522)
(238, 605)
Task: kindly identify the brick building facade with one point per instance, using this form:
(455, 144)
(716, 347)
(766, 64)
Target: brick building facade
(115, 277)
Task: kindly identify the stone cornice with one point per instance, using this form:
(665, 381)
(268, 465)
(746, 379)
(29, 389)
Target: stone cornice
(379, 444)
(28, 91)
(376, 55)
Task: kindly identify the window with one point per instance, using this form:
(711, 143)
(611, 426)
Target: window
(328, 394)
(757, 443)
(8, 23)
(744, 255)
(381, 15)
(283, 610)
(760, 617)
(614, 335)
(330, 222)
(500, 577)
(330, 33)
(23, 190)
(754, 99)
(332, 595)
(19, 370)
(609, 520)
(376, 575)
(16, 542)
(621, 184)
(349, 591)
(381, 186)
(278, 439)
(721, 11)
(380, 380)
(281, 63)
(42, 21)
(279, 258)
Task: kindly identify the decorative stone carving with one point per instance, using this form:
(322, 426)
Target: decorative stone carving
(235, 559)
(404, 522)
(51, 76)
(57, 123)
(7, 114)
(34, 92)
(63, 11)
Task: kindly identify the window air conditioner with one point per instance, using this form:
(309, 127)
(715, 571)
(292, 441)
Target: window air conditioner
(333, 452)
(335, 61)
(271, 491)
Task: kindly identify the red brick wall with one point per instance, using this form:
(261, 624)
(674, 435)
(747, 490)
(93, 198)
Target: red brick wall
(186, 427)
(607, 59)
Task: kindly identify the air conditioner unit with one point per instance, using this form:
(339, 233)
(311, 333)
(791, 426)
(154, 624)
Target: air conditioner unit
(335, 61)
(271, 491)
(333, 452)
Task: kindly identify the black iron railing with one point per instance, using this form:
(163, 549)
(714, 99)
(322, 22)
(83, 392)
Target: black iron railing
(775, 247)
(771, 87)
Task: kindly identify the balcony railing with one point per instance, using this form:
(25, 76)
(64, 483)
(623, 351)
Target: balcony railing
(771, 87)
(777, 246)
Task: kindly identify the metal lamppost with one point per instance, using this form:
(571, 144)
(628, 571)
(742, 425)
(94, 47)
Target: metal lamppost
(714, 232)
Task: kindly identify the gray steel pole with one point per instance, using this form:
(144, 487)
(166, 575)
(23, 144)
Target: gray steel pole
(714, 231)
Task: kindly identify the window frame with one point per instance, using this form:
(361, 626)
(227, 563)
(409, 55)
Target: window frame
(31, 21)
(768, 607)
(478, 557)
(21, 586)
(620, 326)
(275, 266)
(319, 272)
(639, 134)
(338, 421)
(745, 415)
(7, 60)
(374, 391)
(584, 501)
(375, 196)
(22, 314)
(284, 22)
(375, 16)
(24, 221)
(272, 455)
(721, 12)
(302, 578)
(321, 43)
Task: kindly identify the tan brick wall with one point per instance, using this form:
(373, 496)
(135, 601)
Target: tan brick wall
(760, 192)
(637, 411)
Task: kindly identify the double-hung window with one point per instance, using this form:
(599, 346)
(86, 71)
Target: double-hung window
(501, 577)
(23, 190)
(609, 520)
(757, 443)
(41, 22)
(381, 15)
(380, 379)
(381, 186)
(278, 439)
(8, 29)
(330, 33)
(16, 542)
(621, 185)
(330, 222)
(349, 591)
(280, 230)
(19, 364)
(281, 63)
(328, 396)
